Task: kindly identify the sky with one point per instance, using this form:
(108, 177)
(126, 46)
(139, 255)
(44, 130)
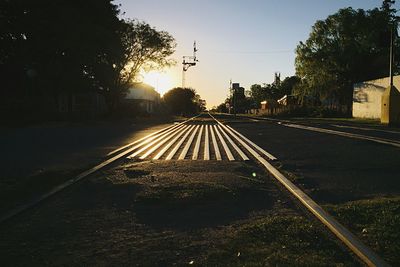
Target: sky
(245, 41)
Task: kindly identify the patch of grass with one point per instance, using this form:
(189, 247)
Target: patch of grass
(280, 240)
(376, 222)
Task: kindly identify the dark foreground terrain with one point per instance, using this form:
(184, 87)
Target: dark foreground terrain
(177, 213)
(214, 213)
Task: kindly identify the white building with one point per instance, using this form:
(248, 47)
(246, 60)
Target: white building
(367, 97)
(143, 95)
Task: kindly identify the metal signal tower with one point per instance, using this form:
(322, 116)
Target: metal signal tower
(188, 61)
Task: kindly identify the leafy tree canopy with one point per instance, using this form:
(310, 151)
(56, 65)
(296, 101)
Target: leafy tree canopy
(181, 101)
(144, 48)
(259, 93)
(348, 47)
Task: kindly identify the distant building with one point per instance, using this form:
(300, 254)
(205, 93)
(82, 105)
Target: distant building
(143, 96)
(238, 99)
(367, 97)
(237, 91)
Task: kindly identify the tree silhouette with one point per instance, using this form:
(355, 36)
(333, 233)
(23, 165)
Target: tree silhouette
(50, 47)
(59, 47)
(181, 101)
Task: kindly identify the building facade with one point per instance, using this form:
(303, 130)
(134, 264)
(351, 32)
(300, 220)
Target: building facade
(367, 97)
(144, 97)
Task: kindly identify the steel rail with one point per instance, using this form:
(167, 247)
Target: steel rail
(178, 145)
(241, 153)
(165, 148)
(269, 155)
(146, 141)
(365, 129)
(345, 134)
(188, 144)
(147, 136)
(215, 144)
(224, 145)
(197, 145)
(153, 142)
(163, 141)
(206, 144)
(368, 256)
(288, 123)
(141, 139)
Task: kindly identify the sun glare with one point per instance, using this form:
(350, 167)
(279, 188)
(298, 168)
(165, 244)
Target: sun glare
(161, 81)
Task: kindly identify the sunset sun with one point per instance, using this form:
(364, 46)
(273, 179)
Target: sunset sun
(161, 81)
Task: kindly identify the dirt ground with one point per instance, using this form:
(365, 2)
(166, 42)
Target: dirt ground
(183, 213)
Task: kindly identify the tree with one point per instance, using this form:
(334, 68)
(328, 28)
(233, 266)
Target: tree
(181, 101)
(221, 108)
(145, 48)
(348, 47)
(287, 85)
(200, 103)
(273, 91)
(257, 94)
(50, 47)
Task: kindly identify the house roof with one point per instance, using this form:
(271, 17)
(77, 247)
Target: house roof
(142, 91)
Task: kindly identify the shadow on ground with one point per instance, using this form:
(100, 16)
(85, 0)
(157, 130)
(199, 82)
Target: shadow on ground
(173, 197)
(196, 206)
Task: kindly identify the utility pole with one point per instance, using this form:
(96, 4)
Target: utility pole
(391, 56)
(234, 100)
(187, 62)
(233, 92)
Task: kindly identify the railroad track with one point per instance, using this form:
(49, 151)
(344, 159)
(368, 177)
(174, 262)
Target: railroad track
(209, 139)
